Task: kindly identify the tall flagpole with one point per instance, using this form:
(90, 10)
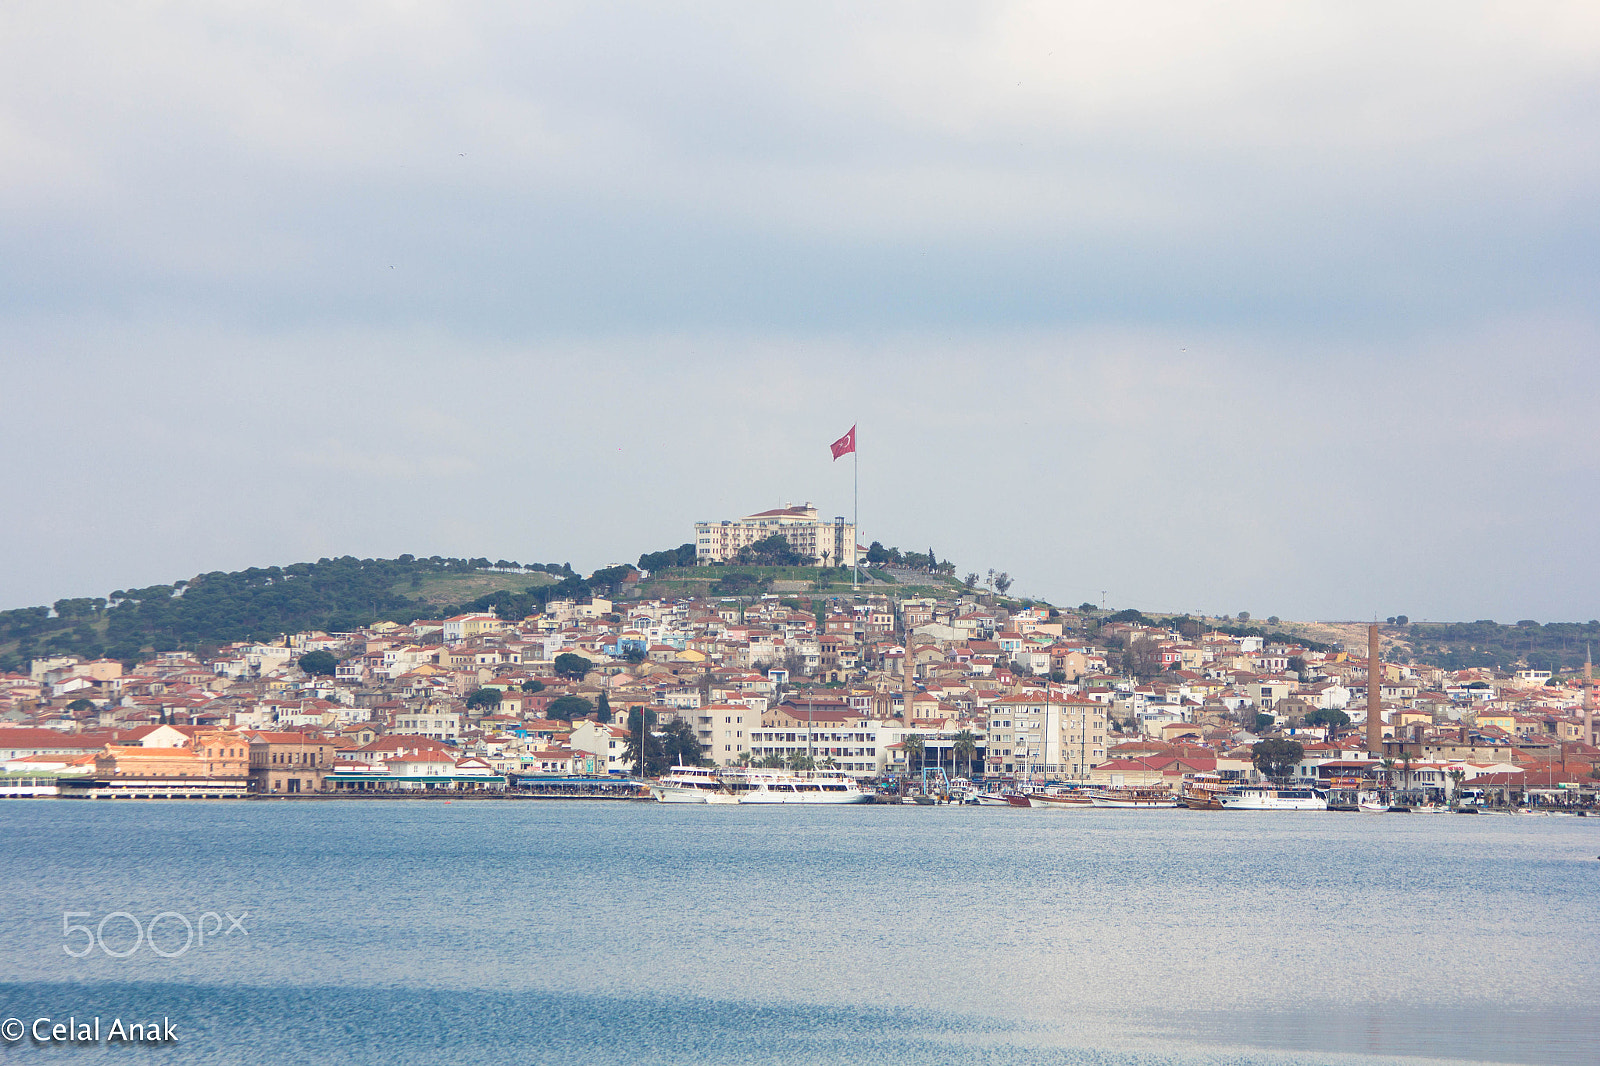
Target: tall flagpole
(855, 530)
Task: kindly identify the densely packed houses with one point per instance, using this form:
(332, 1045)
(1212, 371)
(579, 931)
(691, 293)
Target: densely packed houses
(965, 686)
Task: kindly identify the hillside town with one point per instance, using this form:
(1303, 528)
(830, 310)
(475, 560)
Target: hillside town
(881, 688)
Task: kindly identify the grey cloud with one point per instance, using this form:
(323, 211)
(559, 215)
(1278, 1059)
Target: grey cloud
(585, 164)
(1280, 308)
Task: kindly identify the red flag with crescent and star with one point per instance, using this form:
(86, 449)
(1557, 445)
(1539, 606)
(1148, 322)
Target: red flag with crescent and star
(845, 444)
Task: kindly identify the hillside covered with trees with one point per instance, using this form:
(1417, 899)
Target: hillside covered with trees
(260, 604)
(1553, 646)
(345, 593)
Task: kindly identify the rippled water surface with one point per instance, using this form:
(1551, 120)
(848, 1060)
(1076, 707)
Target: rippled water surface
(425, 931)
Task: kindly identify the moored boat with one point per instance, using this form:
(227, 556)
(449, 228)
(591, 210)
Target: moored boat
(966, 794)
(1263, 798)
(807, 787)
(690, 784)
(1063, 799)
(1203, 792)
(1133, 797)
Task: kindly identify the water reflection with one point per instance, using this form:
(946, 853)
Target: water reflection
(1183, 934)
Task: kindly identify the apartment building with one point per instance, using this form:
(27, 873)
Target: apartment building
(1046, 734)
(823, 543)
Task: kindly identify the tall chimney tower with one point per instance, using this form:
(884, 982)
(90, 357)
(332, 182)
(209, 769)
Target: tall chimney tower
(1588, 696)
(1374, 694)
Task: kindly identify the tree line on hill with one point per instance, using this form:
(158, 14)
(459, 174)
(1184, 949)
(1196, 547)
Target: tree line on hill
(776, 551)
(878, 555)
(346, 593)
(671, 559)
(263, 602)
(1195, 628)
(1553, 646)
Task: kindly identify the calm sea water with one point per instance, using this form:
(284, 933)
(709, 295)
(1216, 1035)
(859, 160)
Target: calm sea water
(540, 932)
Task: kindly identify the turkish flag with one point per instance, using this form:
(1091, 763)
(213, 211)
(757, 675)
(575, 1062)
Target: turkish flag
(845, 444)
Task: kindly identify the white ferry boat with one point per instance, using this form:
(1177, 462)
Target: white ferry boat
(1252, 798)
(691, 784)
(751, 785)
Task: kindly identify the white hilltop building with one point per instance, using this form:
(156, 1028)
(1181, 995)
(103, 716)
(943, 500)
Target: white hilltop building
(823, 543)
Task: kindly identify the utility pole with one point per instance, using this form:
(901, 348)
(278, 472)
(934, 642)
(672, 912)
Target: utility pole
(810, 725)
(1374, 694)
(855, 531)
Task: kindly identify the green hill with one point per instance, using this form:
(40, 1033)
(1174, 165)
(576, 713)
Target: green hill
(452, 588)
(261, 603)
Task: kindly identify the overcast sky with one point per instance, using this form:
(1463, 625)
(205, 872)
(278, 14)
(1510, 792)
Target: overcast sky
(1287, 308)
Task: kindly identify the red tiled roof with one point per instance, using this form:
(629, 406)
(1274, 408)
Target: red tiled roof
(34, 737)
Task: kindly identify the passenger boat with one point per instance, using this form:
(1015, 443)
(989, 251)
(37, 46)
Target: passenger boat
(1017, 799)
(1133, 797)
(1256, 798)
(1066, 798)
(813, 787)
(691, 784)
(1202, 792)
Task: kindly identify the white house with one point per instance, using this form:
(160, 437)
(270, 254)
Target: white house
(606, 742)
(436, 725)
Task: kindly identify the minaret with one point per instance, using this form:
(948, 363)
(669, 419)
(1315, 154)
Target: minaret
(1374, 694)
